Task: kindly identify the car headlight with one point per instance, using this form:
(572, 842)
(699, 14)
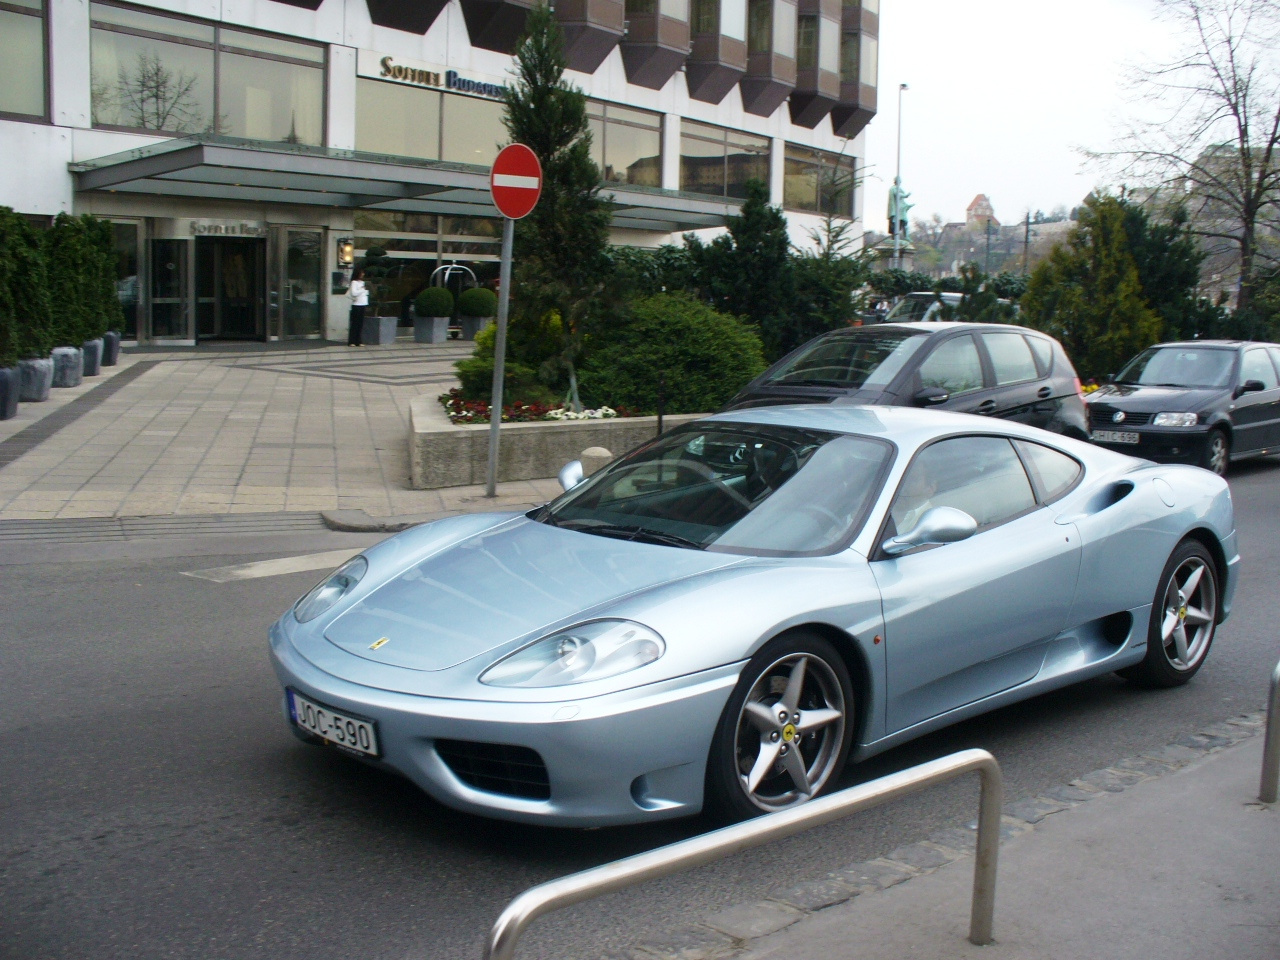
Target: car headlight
(584, 652)
(1175, 420)
(330, 590)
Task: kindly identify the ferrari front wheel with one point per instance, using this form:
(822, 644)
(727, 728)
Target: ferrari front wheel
(1183, 617)
(786, 730)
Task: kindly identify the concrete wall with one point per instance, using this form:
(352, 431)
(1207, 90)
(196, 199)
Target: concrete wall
(449, 456)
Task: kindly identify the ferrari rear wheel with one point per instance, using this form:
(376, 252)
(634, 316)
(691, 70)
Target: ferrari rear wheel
(786, 730)
(1183, 617)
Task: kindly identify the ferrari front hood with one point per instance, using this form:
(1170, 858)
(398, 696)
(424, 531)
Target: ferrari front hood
(500, 585)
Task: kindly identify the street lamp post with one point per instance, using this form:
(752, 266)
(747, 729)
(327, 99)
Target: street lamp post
(897, 182)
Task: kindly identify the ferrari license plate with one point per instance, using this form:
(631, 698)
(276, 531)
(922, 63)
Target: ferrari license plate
(334, 727)
(1115, 436)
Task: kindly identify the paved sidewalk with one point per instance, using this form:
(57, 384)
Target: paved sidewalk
(232, 430)
(1181, 867)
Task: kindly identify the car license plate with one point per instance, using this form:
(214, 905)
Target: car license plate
(334, 727)
(1115, 436)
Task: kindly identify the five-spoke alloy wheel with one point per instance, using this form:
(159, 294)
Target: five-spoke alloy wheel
(1183, 616)
(785, 731)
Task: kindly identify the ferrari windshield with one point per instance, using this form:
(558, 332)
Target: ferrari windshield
(866, 357)
(1180, 366)
(739, 488)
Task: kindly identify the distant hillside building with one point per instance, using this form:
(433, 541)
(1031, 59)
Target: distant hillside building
(979, 213)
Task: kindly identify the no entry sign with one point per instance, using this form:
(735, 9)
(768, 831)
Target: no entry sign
(516, 181)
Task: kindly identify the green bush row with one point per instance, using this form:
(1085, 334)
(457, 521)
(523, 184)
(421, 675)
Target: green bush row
(57, 286)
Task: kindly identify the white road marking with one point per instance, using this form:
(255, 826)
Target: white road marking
(513, 180)
(274, 568)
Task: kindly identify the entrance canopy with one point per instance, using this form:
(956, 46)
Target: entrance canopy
(207, 166)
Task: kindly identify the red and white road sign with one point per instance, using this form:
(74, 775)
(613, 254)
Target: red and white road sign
(516, 181)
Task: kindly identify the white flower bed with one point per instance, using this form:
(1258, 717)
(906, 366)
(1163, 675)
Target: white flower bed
(600, 413)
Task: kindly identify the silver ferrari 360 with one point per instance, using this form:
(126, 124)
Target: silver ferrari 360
(725, 615)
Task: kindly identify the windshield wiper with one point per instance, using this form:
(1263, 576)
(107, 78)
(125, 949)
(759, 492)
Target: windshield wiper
(626, 532)
(809, 383)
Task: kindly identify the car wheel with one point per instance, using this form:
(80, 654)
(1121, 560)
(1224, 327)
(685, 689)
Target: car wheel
(1217, 452)
(786, 730)
(1183, 617)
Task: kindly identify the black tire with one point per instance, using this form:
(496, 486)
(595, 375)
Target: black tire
(1216, 455)
(1174, 609)
(824, 686)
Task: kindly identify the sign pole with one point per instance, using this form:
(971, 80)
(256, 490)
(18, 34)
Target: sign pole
(499, 356)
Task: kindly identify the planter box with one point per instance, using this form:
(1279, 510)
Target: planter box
(92, 357)
(68, 366)
(444, 455)
(10, 384)
(430, 329)
(472, 325)
(379, 330)
(36, 378)
(110, 348)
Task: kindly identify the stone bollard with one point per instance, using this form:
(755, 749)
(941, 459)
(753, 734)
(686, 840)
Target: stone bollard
(68, 366)
(593, 458)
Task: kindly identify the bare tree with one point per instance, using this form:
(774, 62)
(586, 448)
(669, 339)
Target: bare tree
(1212, 138)
(150, 97)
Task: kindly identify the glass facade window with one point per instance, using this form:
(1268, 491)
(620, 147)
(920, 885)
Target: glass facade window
(397, 120)
(706, 16)
(154, 72)
(22, 58)
(869, 67)
(818, 182)
(626, 144)
(849, 46)
(640, 8)
(733, 19)
(759, 26)
(806, 42)
(470, 129)
(784, 29)
(829, 45)
(719, 162)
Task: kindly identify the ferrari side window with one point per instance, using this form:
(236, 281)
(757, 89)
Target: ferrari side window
(953, 366)
(1054, 473)
(980, 475)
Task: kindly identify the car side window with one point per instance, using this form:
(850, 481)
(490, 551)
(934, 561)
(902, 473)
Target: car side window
(1011, 358)
(1257, 366)
(953, 366)
(980, 475)
(1043, 350)
(1053, 473)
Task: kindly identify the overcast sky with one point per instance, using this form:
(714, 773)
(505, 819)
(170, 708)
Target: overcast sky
(1002, 93)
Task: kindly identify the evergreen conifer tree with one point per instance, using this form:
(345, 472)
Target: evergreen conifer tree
(66, 250)
(560, 248)
(25, 325)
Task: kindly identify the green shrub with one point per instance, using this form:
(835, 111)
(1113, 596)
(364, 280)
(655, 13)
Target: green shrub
(434, 302)
(520, 384)
(25, 324)
(104, 311)
(478, 302)
(66, 253)
(705, 356)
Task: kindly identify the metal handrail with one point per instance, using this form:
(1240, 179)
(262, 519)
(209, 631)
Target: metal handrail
(1271, 743)
(709, 847)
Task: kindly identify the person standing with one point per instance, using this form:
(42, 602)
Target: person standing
(359, 294)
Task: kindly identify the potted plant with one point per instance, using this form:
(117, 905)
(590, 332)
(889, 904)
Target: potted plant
(475, 307)
(65, 251)
(432, 311)
(105, 317)
(24, 304)
(377, 272)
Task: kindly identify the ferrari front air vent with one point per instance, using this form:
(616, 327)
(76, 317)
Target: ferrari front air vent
(497, 768)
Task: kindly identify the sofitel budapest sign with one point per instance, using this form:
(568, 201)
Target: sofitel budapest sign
(418, 74)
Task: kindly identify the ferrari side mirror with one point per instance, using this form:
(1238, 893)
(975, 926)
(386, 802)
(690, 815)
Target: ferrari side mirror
(938, 525)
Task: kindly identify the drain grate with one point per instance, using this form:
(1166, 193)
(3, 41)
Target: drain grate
(106, 529)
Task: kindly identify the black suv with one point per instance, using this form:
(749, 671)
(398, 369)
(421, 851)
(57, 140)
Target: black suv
(1203, 401)
(985, 368)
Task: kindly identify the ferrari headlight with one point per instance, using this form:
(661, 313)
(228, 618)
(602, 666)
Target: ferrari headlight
(330, 590)
(587, 651)
(1175, 420)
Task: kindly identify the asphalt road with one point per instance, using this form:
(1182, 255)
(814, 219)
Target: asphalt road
(153, 804)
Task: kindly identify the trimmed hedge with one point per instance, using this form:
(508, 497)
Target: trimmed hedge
(705, 356)
(25, 324)
(478, 302)
(434, 302)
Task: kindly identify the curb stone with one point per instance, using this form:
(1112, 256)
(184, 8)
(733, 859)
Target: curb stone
(728, 933)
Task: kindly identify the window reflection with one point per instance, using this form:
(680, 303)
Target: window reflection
(849, 44)
(471, 130)
(626, 143)
(817, 181)
(719, 162)
(269, 100)
(397, 120)
(806, 42)
(22, 59)
(149, 84)
(760, 26)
